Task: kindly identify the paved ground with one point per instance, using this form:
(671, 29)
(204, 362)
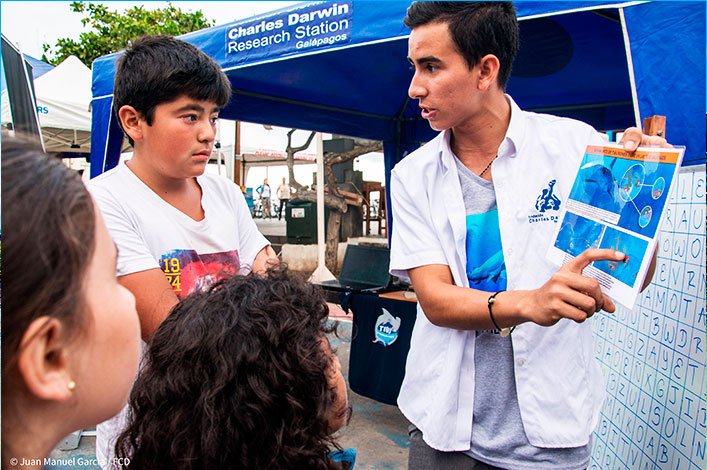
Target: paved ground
(271, 227)
(277, 228)
(377, 431)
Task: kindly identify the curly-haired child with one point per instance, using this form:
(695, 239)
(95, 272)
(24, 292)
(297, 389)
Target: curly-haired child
(240, 376)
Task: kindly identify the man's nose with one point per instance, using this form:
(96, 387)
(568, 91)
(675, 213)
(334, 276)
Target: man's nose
(416, 90)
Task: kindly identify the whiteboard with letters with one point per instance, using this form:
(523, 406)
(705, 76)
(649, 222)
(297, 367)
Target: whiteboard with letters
(653, 357)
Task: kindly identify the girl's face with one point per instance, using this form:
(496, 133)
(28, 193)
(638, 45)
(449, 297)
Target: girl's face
(340, 409)
(106, 353)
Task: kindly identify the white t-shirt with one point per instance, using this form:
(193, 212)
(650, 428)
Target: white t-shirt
(150, 233)
(264, 190)
(560, 386)
(284, 191)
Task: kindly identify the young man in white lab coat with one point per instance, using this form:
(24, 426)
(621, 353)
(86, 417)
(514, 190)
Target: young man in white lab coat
(473, 212)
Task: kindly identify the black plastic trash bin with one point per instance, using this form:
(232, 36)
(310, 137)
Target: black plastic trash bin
(301, 222)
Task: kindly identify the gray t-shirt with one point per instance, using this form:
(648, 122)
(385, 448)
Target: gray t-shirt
(498, 438)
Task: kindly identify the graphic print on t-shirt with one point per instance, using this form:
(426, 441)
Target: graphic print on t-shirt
(187, 271)
(485, 265)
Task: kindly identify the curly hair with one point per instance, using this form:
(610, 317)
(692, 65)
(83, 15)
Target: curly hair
(236, 377)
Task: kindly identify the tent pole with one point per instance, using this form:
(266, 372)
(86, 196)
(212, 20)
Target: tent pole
(239, 164)
(321, 273)
(107, 142)
(629, 62)
(217, 145)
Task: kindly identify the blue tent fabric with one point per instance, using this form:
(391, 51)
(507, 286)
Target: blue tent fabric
(110, 130)
(668, 49)
(39, 67)
(344, 70)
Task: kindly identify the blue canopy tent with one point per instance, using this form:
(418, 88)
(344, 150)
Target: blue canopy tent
(341, 68)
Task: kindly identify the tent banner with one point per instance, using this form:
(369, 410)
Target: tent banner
(304, 28)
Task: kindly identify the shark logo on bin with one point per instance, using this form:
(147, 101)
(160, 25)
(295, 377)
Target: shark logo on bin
(386, 330)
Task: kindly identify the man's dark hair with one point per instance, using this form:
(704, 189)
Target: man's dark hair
(477, 29)
(236, 377)
(159, 69)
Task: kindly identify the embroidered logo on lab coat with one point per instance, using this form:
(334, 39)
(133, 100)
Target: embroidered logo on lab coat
(546, 201)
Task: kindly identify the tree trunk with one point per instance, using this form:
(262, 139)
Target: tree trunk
(332, 202)
(332, 197)
(332, 240)
(291, 151)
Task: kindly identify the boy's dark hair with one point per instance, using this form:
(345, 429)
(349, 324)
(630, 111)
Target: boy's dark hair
(48, 238)
(477, 29)
(158, 69)
(236, 377)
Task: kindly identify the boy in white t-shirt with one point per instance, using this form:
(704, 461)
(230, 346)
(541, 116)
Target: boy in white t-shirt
(176, 228)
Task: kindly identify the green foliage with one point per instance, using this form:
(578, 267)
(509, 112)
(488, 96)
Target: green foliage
(110, 31)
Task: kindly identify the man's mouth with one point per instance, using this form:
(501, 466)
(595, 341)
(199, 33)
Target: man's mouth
(428, 113)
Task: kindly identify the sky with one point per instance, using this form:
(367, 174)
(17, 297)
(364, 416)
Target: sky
(29, 24)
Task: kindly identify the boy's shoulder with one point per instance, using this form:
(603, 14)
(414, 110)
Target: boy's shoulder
(113, 179)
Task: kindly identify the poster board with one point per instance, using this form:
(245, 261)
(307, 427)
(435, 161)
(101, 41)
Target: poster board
(618, 201)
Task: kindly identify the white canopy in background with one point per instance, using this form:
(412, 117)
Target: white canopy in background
(63, 104)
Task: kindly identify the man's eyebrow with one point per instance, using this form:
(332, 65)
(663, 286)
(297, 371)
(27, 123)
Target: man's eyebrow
(425, 60)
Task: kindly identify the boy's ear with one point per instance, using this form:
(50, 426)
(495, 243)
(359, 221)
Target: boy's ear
(131, 119)
(42, 363)
(488, 66)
